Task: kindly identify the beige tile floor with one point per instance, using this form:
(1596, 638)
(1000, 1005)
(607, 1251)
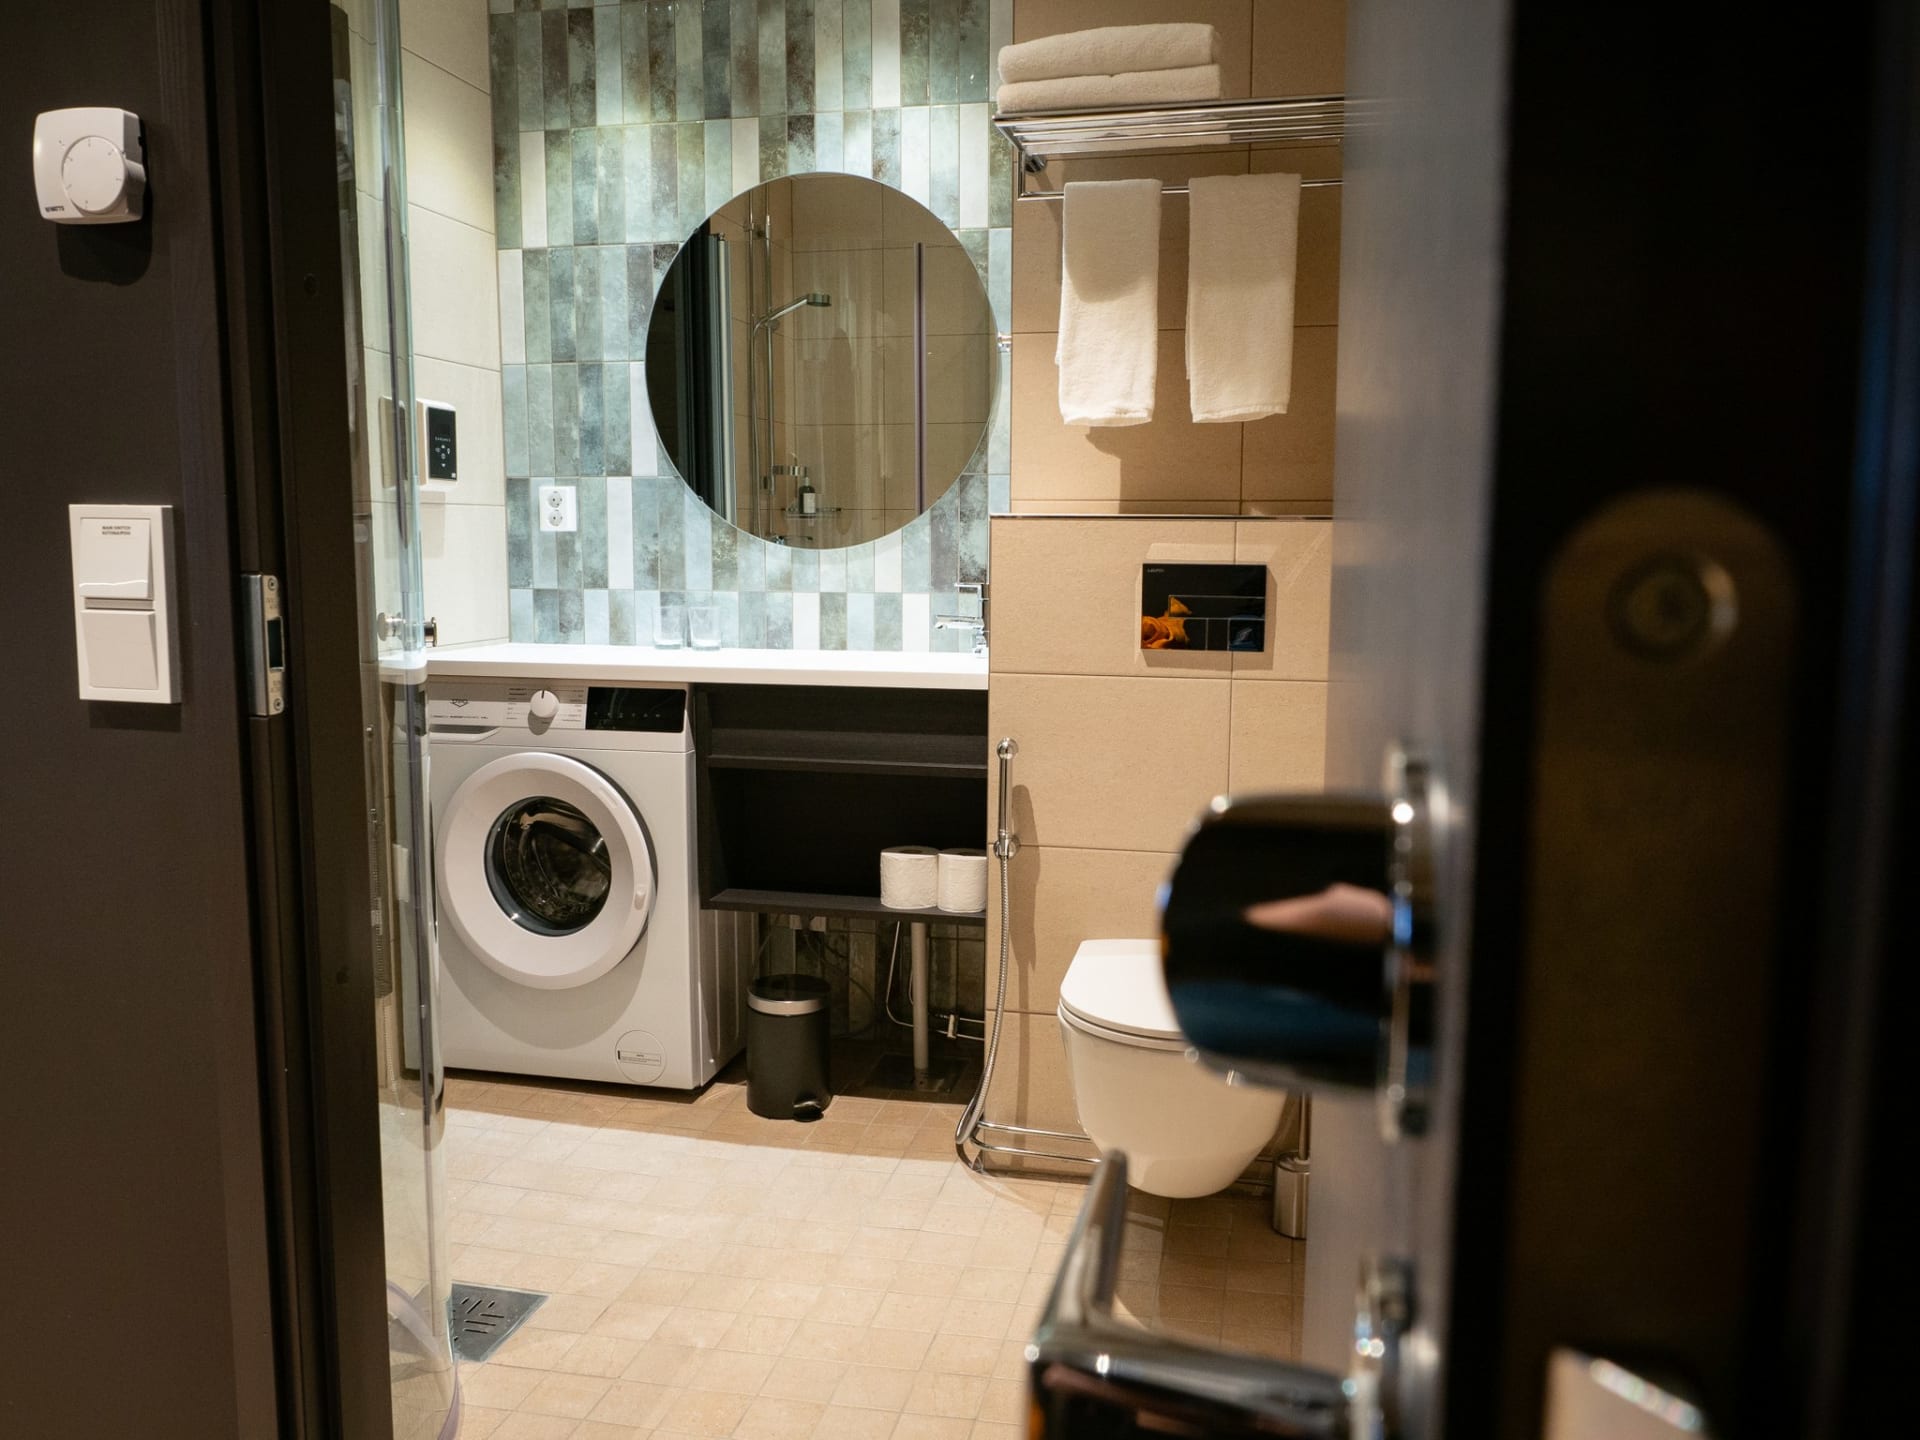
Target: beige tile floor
(715, 1274)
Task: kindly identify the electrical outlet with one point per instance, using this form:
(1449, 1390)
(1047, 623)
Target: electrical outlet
(558, 510)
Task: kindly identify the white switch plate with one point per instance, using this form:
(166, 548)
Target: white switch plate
(126, 632)
(556, 508)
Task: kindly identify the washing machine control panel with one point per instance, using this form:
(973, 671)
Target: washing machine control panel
(544, 707)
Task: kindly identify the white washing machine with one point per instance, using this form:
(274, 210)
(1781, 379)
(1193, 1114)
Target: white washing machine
(571, 938)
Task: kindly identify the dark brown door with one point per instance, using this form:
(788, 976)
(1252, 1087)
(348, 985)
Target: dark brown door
(1624, 521)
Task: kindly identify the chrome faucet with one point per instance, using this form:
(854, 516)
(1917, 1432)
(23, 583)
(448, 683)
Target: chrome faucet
(974, 597)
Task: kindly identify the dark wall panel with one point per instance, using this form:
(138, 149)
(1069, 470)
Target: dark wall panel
(131, 1187)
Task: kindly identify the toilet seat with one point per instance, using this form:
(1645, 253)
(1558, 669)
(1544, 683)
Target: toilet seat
(1114, 989)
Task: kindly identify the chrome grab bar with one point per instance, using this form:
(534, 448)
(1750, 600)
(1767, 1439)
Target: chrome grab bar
(1094, 1375)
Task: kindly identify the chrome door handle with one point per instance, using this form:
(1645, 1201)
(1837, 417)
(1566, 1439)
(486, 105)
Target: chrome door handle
(1298, 935)
(1094, 1375)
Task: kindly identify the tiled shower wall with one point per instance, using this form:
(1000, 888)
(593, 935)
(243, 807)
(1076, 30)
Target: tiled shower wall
(617, 130)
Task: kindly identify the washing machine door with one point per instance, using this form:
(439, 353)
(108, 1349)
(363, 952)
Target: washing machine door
(545, 870)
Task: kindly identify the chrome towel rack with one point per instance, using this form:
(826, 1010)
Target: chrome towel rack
(1040, 137)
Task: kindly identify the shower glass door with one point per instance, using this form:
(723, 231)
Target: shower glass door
(379, 360)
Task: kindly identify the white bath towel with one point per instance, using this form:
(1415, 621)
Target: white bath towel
(1134, 87)
(1109, 301)
(1110, 50)
(1243, 234)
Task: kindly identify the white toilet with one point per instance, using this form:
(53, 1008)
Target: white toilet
(1185, 1130)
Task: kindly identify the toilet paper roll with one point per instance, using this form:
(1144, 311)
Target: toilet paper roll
(909, 877)
(963, 881)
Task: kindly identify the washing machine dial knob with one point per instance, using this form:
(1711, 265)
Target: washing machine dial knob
(544, 705)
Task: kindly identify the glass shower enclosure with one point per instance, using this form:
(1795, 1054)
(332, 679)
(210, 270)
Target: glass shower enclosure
(394, 633)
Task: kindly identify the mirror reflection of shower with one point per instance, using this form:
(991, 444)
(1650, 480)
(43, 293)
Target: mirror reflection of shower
(760, 379)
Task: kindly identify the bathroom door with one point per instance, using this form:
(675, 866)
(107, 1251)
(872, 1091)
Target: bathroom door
(1624, 525)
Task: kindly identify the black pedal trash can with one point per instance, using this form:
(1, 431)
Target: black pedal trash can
(788, 1026)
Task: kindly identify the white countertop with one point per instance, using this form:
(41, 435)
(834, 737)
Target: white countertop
(892, 669)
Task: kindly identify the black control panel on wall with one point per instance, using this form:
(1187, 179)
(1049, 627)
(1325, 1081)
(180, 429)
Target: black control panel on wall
(1203, 607)
(437, 441)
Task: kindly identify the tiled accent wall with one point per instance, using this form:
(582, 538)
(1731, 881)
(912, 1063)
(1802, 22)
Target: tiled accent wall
(616, 130)
(1121, 747)
(1279, 465)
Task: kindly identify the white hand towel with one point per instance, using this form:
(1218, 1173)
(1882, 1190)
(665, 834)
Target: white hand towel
(1110, 50)
(1243, 234)
(1134, 87)
(1109, 301)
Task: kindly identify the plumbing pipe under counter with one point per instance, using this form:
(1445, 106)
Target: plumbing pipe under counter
(872, 669)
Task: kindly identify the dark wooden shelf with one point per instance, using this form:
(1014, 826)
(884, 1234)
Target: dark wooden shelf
(800, 902)
(849, 765)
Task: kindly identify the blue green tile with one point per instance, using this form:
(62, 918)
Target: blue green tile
(553, 72)
(611, 261)
(666, 184)
(750, 556)
(690, 147)
(744, 67)
(593, 432)
(726, 556)
(716, 56)
(519, 535)
(610, 186)
(856, 54)
(799, 144)
(536, 305)
(546, 564)
(799, 28)
(915, 34)
(943, 53)
(592, 510)
(886, 622)
(999, 180)
(860, 568)
(973, 47)
(833, 571)
(562, 265)
(915, 559)
(753, 620)
(513, 419)
(773, 147)
(566, 420)
(621, 618)
(636, 180)
(773, 57)
(662, 60)
(860, 621)
(696, 545)
(779, 621)
(806, 570)
(886, 147)
(779, 565)
(718, 148)
(615, 412)
(833, 621)
(636, 84)
(520, 616)
(582, 73)
(598, 627)
(957, 535)
(584, 145)
(540, 420)
(546, 617)
(529, 72)
(572, 619)
(586, 304)
(646, 535)
(671, 497)
(559, 188)
(943, 149)
(689, 79)
(566, 551)
(639, 291)
(829, 128)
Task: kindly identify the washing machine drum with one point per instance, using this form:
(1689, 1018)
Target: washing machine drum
(545, 870)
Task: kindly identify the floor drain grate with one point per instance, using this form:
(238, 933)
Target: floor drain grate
(483, 1316)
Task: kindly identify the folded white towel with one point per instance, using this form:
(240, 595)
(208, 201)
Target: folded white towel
(1110, 50)
(1133, 87)
(1109, 301)
(1243, 234)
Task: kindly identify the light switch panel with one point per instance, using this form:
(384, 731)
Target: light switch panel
(125, 628)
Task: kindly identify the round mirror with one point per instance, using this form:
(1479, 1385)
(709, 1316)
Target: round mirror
(820, 360)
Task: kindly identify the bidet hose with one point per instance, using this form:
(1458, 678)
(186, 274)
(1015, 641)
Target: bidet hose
(1003, 848)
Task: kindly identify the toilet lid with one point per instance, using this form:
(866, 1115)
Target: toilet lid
(1118, 985)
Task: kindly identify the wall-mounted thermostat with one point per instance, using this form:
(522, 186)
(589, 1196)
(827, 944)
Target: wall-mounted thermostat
(123, 602)
(439, 447)
(88, 165)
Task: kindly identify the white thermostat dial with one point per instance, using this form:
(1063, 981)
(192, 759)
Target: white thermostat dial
(88, 166)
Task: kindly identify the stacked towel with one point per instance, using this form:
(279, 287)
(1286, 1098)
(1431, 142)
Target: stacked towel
(1243, 232)
(1113, 65)
(1109, 301)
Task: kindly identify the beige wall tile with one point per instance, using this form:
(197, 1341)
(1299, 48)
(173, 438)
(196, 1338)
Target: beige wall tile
(449, 143)
(1164, 465)
(1299, 47)
(1279, 736)
(456, 315)
(1298, 555)
(464, 570)
(450, 33)
(1232, 18)
(1066, 594)
(1030, 1085)
(1063, 896)
(475, 395)
(1290, 456)
(1111, 764)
